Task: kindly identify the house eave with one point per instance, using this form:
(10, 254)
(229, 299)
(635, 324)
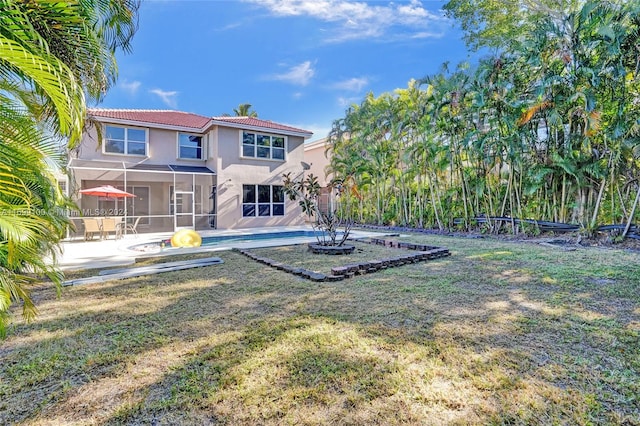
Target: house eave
(240, 126)
(315, 144)
(148, 124)
(201, 130)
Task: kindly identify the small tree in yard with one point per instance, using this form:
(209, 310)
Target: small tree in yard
(307, 192)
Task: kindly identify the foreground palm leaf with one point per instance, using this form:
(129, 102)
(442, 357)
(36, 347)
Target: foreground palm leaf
(51, 55)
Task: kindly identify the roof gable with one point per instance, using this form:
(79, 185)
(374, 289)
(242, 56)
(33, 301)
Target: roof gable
(188, 120)
(252, 122)
(161, 117)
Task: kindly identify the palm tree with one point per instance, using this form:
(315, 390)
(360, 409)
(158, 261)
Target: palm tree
(33, 217)
(244, 110)
(84, 35)
(50, 57)
(547, 130)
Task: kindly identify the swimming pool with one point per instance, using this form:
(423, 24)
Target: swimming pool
(214, 240)
(228, 240)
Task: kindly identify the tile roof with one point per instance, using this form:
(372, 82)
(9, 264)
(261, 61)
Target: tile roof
(256, 122)
(164, 117)
(190, 120)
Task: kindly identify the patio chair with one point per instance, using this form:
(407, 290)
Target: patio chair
(111, 225)
(91, 226)
(133, 227)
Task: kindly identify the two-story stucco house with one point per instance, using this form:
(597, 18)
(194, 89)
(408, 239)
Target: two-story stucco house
(188, 170)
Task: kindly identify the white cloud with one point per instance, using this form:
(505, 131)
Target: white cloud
(347, 102)
(230, 26)
(413, 13)
(130, 87)
(427, 34)
(168, 98)
(351, 85)
(299, 75)
(326, 10)
(319, 130)
(358, 20)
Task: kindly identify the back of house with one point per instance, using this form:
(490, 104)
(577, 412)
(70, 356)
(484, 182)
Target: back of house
(187, 170)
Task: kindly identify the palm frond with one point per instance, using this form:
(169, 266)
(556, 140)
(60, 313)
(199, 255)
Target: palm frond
(52, 77)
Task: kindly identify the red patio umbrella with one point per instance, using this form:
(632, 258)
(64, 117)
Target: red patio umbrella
(106, 191)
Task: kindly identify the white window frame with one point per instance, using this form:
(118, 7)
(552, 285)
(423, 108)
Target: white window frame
(271, 148)
(126, 140)
(203, 154)
(256, 203)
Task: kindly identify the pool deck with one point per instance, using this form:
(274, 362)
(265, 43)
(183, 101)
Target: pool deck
(80, 254)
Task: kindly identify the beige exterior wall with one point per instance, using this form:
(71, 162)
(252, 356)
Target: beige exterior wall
(162, 148)
(223, 147)
(235, 171)
(314, 155)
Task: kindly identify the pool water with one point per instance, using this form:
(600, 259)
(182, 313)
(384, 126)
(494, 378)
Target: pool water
(211, 241)
(238, 238)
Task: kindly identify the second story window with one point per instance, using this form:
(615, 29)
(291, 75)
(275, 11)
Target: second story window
(263, 146)
(190, 147)
(125, 140)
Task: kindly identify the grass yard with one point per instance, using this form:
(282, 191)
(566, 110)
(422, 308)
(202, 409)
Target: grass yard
(498, 333)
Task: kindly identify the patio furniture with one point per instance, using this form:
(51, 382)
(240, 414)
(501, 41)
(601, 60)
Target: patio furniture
(111, 225)
(91, 226)
(133, 227)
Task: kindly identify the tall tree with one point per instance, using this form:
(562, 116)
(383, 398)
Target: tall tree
(547, 129)
(51, 55)
(496, 23)
(244, 110)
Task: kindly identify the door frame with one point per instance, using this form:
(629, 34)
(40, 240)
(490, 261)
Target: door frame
(191, 213)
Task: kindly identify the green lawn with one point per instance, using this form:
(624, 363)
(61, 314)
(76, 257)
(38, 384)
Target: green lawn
(498, 333)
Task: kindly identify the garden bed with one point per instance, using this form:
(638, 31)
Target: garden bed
(365, 262)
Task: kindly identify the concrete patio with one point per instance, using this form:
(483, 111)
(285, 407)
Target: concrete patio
(80, 254)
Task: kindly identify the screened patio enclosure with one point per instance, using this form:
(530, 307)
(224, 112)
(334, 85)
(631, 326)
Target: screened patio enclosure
(167, 197)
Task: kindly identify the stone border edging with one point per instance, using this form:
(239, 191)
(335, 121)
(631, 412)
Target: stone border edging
(331, 250)
(339, 273)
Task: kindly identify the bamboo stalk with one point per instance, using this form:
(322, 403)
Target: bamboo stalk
(632, 214)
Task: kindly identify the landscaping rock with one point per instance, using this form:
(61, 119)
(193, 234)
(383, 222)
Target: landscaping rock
(317, 277)
(415, 253)
(339, 270)
(334, 278)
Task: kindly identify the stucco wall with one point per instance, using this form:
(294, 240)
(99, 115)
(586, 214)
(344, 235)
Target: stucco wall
(162, 148)
(314, 155)
(223, 146)
(234, 171)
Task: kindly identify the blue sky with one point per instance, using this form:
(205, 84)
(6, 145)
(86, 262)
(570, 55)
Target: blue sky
(298, 62)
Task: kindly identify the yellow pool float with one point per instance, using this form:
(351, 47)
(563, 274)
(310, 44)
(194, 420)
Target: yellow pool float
(186, 238)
